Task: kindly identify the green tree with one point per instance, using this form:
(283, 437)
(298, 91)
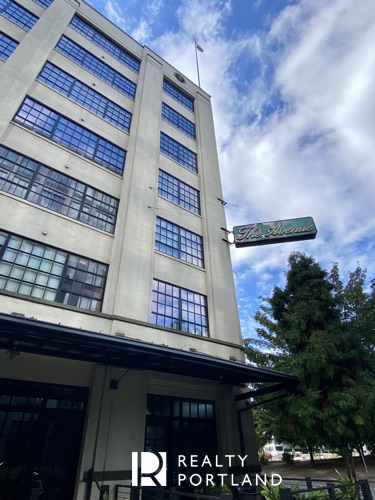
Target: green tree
(263, 422)
(366, 323)
(312, 328)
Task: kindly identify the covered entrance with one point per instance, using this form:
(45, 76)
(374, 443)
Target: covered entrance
(40, 437)
(186, 401)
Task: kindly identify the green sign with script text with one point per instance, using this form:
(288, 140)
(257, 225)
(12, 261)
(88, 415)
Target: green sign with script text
(266, 233)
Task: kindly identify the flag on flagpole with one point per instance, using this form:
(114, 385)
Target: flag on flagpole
(199, 47)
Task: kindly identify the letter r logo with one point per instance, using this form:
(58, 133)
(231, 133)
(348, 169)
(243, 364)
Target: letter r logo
(153, 469)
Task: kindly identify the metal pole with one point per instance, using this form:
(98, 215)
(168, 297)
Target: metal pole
(363, 459)
(196, 59)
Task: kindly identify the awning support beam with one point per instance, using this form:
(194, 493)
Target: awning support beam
(265, 390)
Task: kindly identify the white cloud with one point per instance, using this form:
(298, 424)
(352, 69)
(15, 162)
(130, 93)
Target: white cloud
(137, 20)
(205, 19)
(142, 31)
(115, 14)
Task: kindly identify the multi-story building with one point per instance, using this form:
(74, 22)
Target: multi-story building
(119, 329)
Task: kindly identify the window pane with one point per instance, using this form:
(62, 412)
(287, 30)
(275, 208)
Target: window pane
(178, 316)
(178, 95)
(40, 272)
(178, 242)
(178, 152)
(78, 288)
(178, 120)
(178, 192)
(105, 43)
(195, 435)
(96, 66)
(44, 3)
(18, 14)
(7, 46)
(85, 96)
(58, 192)
(11, 286)
(75, 137)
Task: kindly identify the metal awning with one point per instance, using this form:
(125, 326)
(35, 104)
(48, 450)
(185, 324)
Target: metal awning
(48, 339)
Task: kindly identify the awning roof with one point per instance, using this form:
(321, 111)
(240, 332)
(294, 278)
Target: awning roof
(48, 339)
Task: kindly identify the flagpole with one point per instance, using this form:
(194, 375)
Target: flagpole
(196, 59)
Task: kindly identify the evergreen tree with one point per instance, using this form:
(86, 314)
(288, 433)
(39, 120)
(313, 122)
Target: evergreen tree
(314, 328)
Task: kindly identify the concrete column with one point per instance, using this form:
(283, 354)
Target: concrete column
(20, 70)
(223, 312)
(133, 256)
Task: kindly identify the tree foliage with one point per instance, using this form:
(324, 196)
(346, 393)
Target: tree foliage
(322, 331)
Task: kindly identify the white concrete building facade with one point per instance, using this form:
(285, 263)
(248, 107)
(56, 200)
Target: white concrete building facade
(119, 329)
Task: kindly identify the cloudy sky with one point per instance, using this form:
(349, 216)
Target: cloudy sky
(293, 93)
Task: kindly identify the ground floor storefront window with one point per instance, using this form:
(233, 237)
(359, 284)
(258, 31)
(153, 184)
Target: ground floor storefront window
(40, 437)
(180, 426)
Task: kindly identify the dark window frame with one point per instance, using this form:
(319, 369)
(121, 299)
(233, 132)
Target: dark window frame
(7, 46)
(97, 67)
(39, 184)
(179, 242)
(104, 42)
(179, 308)
(44, 3)
(179, 121)
(18, 14)
(30, 268)
(70, 134)
(178, 95)
(175, 423)
(79, 92)
(177, 191)
(46, 422)
(179, 153)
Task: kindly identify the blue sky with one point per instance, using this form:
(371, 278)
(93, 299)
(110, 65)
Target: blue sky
(293, 95)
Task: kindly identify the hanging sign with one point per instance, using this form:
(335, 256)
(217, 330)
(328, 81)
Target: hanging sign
(281, 231)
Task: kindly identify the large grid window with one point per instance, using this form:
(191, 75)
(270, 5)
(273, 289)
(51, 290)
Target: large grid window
(180, 309)
(96, 66)
(105, 43)
(178, 242)
(177, 191)
(17, 14)
(7, 46)
(31, 268)
(178, 152)
(48, 123)
(44, 3)
(45, 422)
(178, 120)
(178, 95)
(69, 86)
(39, 184)
(174, 424)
